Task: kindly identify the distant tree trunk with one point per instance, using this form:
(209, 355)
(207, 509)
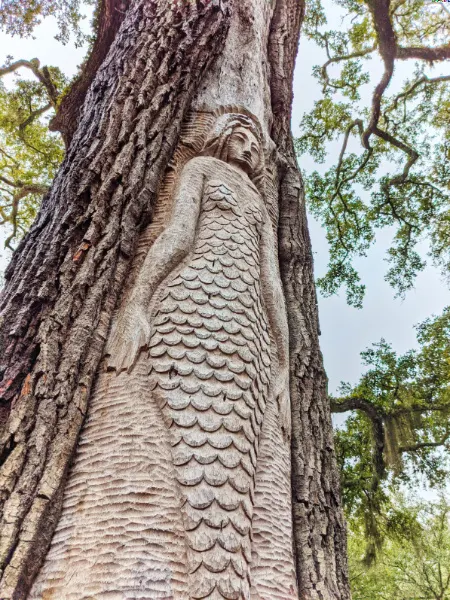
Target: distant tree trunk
(173, 69)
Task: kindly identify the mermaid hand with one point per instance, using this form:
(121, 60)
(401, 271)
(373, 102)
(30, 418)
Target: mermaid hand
(129, 334)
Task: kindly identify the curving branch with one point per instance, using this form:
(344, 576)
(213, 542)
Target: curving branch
(341, 181)
(413, 155)
(410, 92)
(387, 45)
(376, 416)
(34, 115)
(25, 188)
(423, 445)
(424, 53)
(43, 75)
(8, 156)
(21, 190)
(336, 59)
(342, 405)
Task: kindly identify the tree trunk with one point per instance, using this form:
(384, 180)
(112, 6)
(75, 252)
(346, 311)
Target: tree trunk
(172, 73)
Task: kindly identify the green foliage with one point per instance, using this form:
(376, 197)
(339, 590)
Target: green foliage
(29, 153)
(399, 436)
(20, 17)
(415, 561)
(395, 173)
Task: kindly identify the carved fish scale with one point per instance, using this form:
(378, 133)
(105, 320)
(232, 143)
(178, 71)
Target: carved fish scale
(210, 371)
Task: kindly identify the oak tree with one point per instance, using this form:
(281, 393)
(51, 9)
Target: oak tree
(151, 66)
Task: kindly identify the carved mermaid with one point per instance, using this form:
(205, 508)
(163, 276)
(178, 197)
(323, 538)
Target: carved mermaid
(208, 309)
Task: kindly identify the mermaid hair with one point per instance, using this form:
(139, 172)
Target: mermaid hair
(216, 143)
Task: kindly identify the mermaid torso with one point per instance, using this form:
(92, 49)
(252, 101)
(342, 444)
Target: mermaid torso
(190, 428)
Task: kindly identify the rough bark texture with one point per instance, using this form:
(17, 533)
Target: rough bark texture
(319, 527)
(64, 279)
(110, 14)
(69, 272)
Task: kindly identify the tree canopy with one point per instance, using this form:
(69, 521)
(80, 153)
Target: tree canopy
(20, 17)
(392, 162)
(30, 153)
(398, 433)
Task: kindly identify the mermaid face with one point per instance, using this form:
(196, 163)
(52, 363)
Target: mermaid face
(244, 150)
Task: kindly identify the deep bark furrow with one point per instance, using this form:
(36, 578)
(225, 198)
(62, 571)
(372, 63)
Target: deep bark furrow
(86, 234)
(110, 16)
(319, 528)
(283, 44)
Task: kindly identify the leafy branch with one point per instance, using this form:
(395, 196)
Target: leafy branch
(42, 75)
(29, 153)
(411, 129)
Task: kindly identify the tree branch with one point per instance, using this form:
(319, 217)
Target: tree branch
(341, 405)
(34, 115)
(22, 191)
(29, 64)
(387, 47)
(8, 181)
(413, 155)
(335, 59)
(424, 53)
(422, 445)
(376, 416)
(43, 75)
(8, 156)
(409, 92)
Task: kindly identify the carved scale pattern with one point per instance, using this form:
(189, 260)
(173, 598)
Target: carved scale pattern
(120, 536)
(210, 357)
(123, 538)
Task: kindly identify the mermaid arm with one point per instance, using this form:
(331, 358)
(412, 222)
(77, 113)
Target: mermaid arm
(276, 311)
(131, 329)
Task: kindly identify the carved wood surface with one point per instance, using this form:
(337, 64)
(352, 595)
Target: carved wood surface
(200, 396)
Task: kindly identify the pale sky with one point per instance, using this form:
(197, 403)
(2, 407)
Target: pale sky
(346, 331)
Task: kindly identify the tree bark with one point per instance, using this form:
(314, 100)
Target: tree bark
(110, 14)
(69, 273)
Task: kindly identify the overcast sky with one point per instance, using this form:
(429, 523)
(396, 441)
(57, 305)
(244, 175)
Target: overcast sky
(346, 331)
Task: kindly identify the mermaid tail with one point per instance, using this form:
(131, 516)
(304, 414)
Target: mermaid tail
(210, 357)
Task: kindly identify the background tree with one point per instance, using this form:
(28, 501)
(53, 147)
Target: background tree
(20, 17)
(414, 564)
(397, 435)
(392, 161)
